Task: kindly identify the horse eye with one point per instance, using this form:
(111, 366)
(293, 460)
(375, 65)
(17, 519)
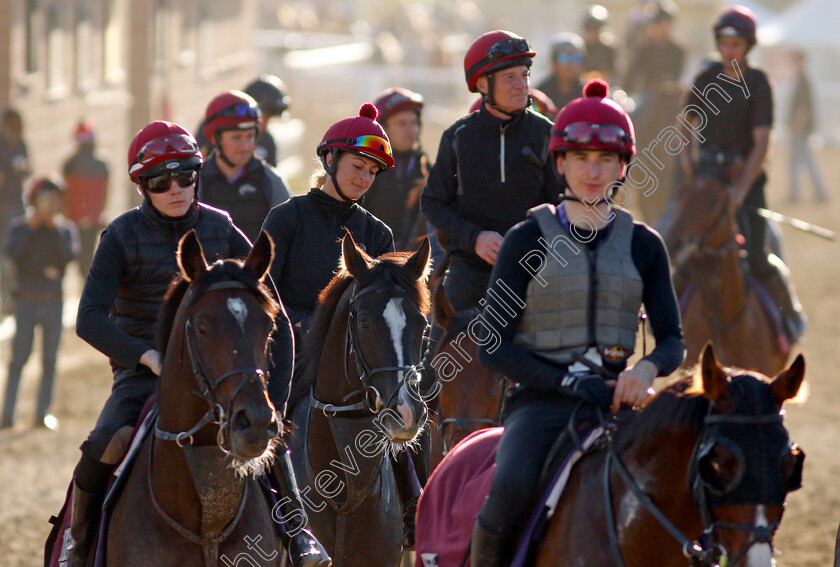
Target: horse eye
(202, 330)
(364, 323)
(720, 469)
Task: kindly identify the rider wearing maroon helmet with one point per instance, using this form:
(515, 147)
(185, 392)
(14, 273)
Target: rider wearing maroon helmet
(131, 271)
(581, 299)
(735, 100)
(492, 165)
(394, 197)
(234, 178)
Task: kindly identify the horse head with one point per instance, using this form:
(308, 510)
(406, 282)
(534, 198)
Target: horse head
(702, 219)
(745, 463)
(385, 333)
(226, 316)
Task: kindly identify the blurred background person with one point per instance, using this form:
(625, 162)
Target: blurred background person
(563, 84)
(394, 197)
(802, 122)
(234, 178)
(40, 245)
(14, 168)
(86, 185)
(273, 98)
(600, 54)
(653, 80)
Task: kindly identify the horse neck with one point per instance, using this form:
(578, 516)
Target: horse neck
(335, 373)
(720, 279)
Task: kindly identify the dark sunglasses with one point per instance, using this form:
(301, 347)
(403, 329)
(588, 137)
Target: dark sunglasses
(583, 132)
(506, 48)
(240, 109)
(160, 183)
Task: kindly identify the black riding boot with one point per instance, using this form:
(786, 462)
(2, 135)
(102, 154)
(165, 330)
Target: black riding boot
(303, 548)
(776, 276)
(85, 511)
(489, 549)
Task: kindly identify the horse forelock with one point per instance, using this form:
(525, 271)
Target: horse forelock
(220, 270)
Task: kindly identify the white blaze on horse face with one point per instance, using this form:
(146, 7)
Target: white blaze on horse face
(395, 317)
(237, 308)
(761, 554)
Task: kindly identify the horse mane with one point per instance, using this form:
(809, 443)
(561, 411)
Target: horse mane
(328, 301)
(679, 405)
(218, 271)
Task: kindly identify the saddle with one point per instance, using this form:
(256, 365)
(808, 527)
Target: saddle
(446, 515)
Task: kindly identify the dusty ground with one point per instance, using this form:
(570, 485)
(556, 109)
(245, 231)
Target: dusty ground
(35, 465)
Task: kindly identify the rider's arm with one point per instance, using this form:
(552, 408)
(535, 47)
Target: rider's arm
(238, 243)
(497, 350)
(651, 260)
(280, 224)
(92, 322)
(438, 200)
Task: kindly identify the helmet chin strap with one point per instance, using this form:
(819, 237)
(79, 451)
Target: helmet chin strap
(489, 100)
(330, 169)
(217, 138)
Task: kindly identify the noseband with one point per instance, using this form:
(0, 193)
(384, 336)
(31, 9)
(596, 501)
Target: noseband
(371, 398)
(707, 551)
(216, 415)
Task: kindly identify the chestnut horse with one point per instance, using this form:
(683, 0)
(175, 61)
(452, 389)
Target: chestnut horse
(190, 499)
(702, 240)
(357, 401)
(470, 396)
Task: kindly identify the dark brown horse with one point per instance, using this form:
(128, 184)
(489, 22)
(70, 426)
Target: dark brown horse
(724, 308)
(357, 402)
(190, 499)
(709, 456)
(470, 396)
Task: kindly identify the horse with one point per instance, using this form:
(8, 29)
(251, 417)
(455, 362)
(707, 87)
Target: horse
(470, 396)
(704, 245)
(698, 476)
(357, 402)
(191, 498)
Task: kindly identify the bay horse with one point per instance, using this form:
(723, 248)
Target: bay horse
(703, 242)
(699, 476)
(190, 499)
(357, 402)
(470, 396)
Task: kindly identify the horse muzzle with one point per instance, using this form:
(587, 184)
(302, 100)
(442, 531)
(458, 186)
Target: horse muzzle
(251, 429)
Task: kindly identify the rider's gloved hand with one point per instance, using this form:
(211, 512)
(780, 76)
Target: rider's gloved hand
(592, 389)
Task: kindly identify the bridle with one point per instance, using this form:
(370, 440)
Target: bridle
(707, 551)
(216, 415)
(371, 398)
(698, 246)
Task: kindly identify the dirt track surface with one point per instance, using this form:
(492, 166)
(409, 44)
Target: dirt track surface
(35, 465)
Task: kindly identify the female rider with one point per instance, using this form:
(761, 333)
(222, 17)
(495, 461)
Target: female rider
(131, 271)
(585, 306)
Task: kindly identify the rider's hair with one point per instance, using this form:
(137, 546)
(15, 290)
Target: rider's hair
(318, 177)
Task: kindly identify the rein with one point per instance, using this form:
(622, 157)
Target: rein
(705, 552)
(371, 398)
(216, 415)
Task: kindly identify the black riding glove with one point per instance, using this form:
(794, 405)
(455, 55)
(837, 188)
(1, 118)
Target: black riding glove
(590, 388)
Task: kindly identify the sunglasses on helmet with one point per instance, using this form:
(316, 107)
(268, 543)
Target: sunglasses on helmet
(583, 132)
(506, 48)
(160, 183)
(166, 146)
(370, 142)
(563, 57)
(240, 110)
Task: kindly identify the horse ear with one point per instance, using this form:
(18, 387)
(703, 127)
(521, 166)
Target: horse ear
(353, 259)
(190, 257)
(418, 263)
(787, 383)
(444, 313)
(715, 379)
(261, 256)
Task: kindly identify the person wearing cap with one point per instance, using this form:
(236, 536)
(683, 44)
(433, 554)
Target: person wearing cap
(611, 266)
(491, 167)
(599, 50)
(273, 98)
(86, 186)
(131, 271)
(563, 84)
(734, 140)
(40, 245)
(394, 197)
(234, 178)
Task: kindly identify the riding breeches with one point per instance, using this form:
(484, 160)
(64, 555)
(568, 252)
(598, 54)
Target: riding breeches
(466, 282)
(753, 226)
(530, 431)
(122, 409)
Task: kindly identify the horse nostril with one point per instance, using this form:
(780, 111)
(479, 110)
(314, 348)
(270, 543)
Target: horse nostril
(241, 421)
